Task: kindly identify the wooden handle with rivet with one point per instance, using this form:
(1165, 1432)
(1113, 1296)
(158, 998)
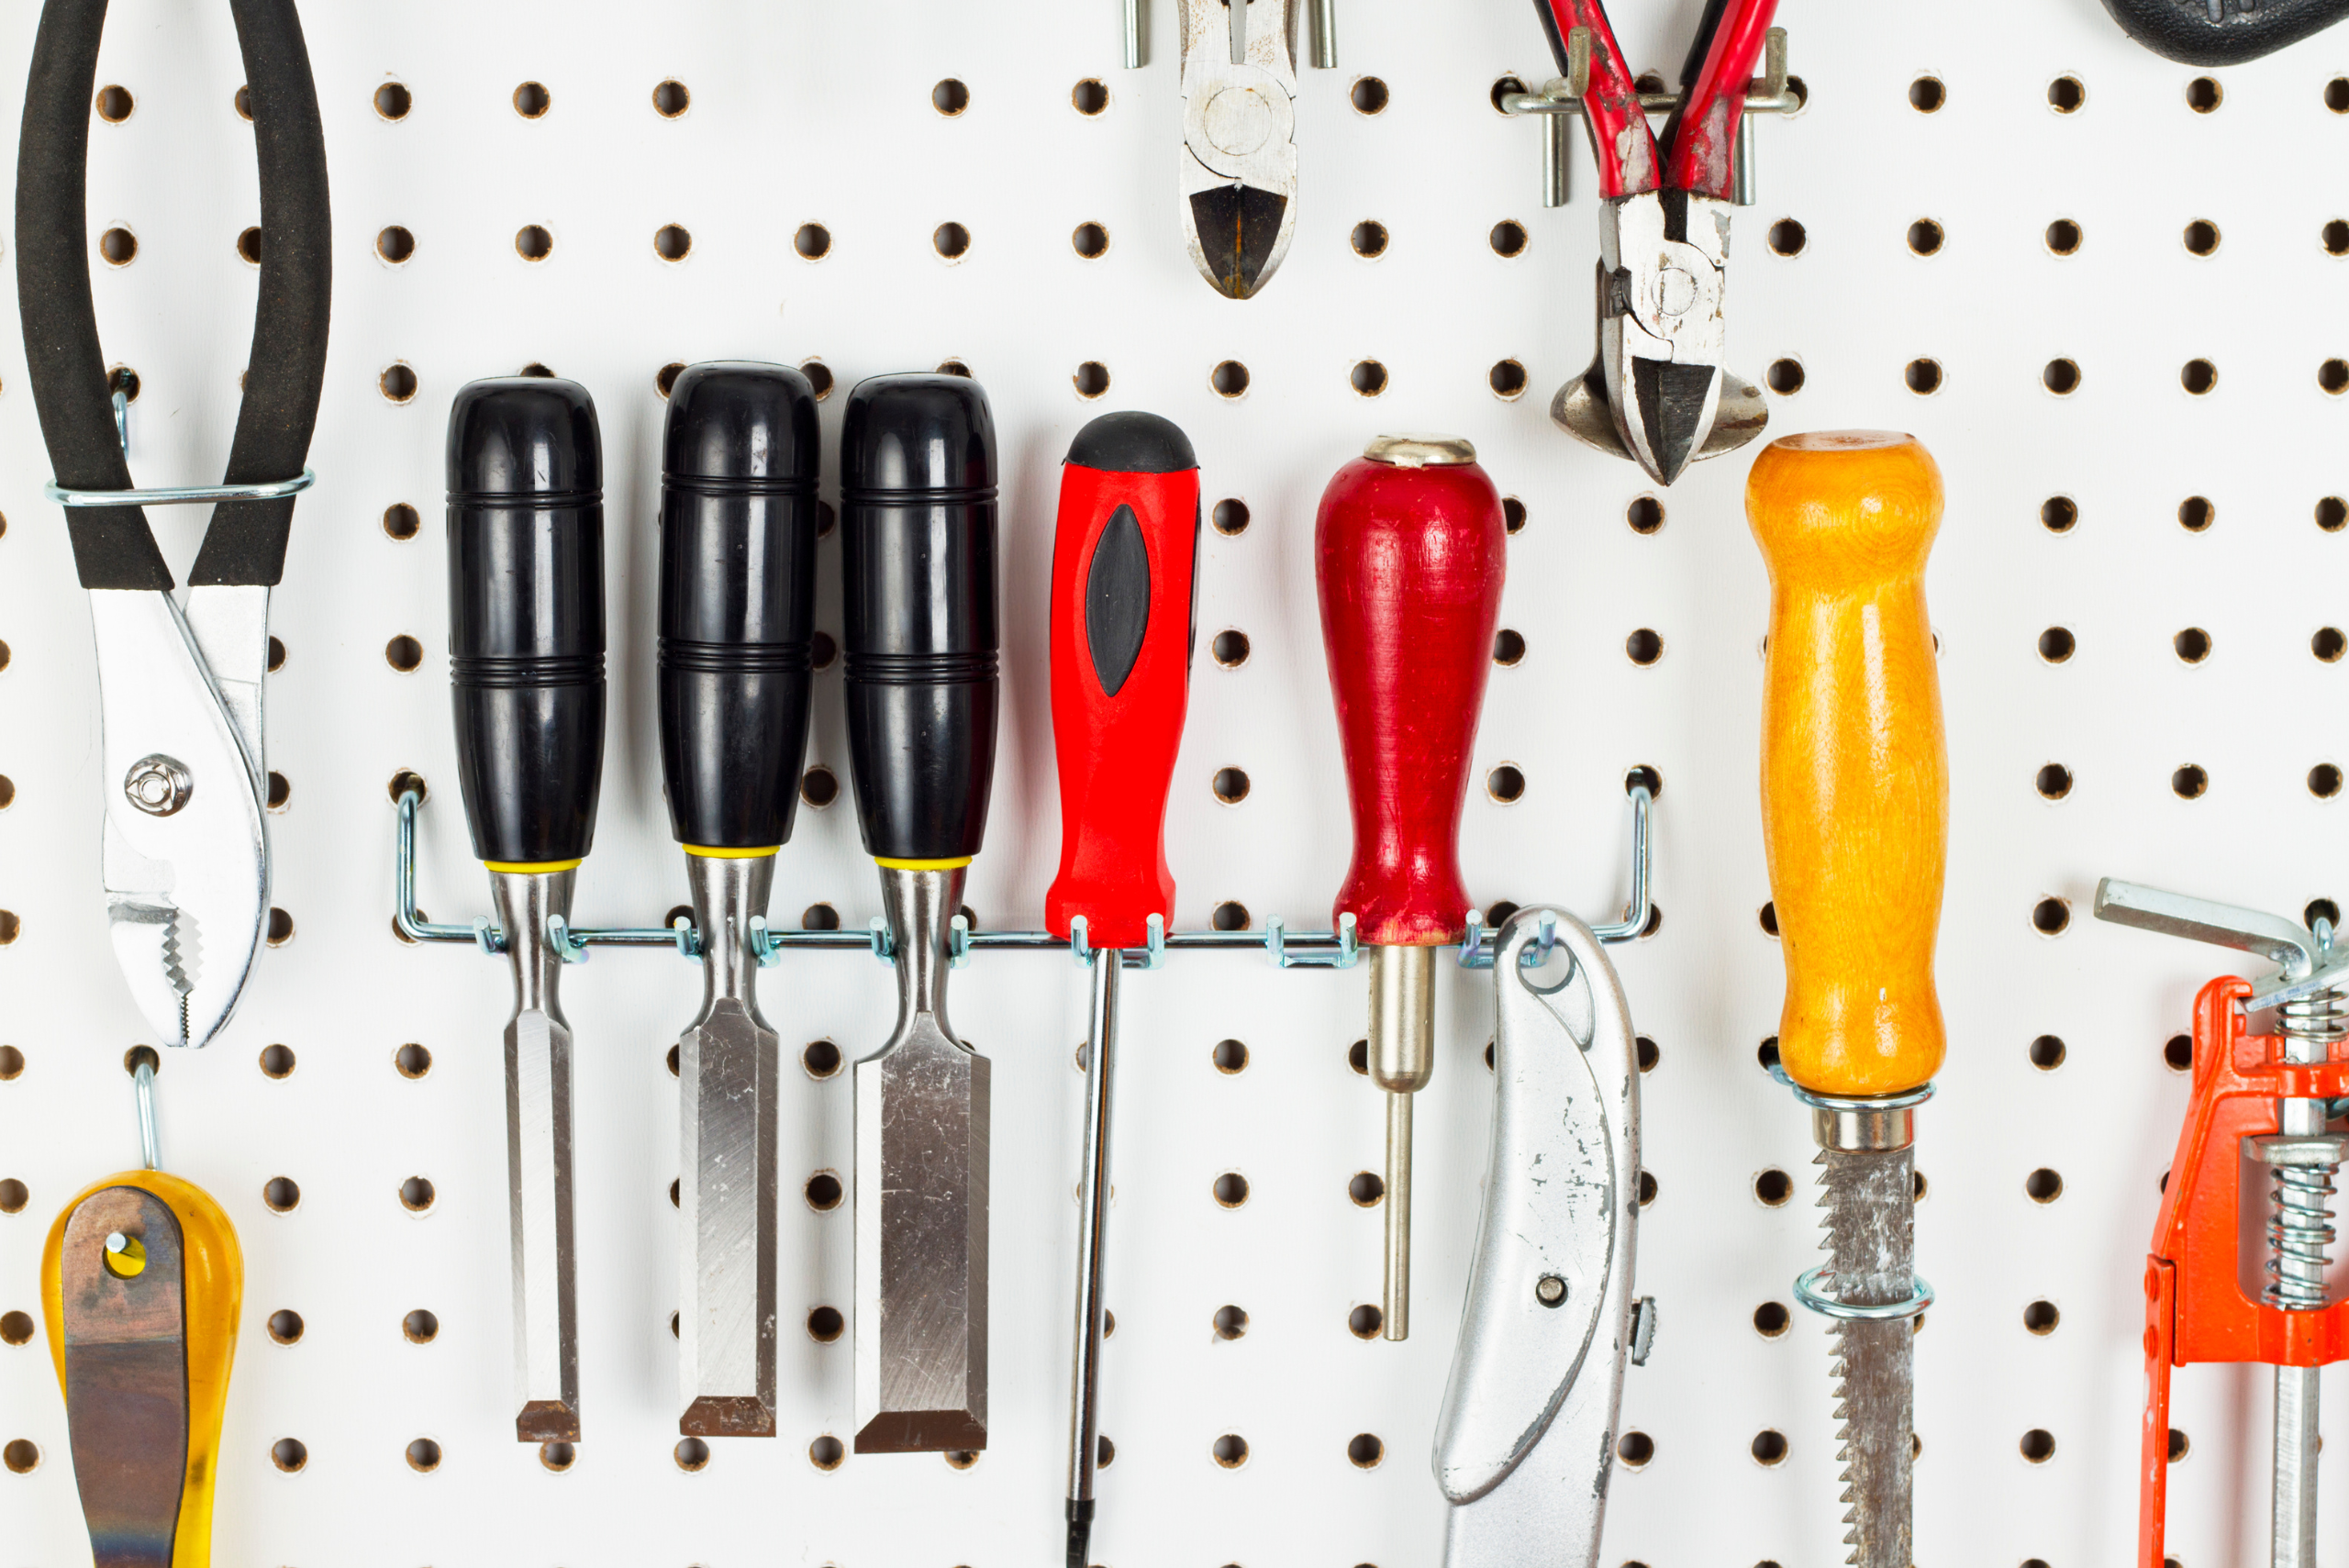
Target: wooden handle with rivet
(1855, 769)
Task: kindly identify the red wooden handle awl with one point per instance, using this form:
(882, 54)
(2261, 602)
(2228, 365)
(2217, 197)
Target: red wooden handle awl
(1125, 556)
(1409, 549)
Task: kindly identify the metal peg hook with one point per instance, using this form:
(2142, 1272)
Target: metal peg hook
(151, 1143)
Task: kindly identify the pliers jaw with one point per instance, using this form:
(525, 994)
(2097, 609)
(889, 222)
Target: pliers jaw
(1656, 391)
(1239, 158)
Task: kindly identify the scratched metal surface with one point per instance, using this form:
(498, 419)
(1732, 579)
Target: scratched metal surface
(802, 113)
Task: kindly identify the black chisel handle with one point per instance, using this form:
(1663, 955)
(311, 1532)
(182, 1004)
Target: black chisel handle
(738, 601)
(918, 565)
(525, 617)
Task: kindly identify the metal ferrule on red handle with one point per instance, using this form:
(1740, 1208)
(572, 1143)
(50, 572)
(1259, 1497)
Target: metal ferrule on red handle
(1410, 560)
(1125, 554)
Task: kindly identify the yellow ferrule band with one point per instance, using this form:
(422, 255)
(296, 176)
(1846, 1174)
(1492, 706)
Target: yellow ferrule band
(536, 868)
(887, 864)
(708, 852)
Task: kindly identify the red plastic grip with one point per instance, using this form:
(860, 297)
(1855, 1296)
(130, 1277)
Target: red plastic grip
(1410, 562)
(1121, 678)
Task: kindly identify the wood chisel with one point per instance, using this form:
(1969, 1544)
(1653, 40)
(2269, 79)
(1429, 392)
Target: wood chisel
(738, 603)
(1855, 819)
(1410, 549)
(918, 564)
(526, 662)
(1125, 575)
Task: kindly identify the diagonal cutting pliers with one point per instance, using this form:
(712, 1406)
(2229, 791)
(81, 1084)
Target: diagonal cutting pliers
(1656, 390)
(1239, 157)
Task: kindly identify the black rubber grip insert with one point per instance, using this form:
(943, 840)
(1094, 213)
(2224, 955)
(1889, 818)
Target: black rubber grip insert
(113, 546)
(526, 615)
(918, 563)
(738, 601)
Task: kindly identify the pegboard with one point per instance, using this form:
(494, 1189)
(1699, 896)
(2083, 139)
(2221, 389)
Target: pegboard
(2121, 514)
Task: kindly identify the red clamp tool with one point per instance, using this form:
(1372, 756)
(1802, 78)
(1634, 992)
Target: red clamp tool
(1655, 391)
(1125, 577)
(2236, 1273)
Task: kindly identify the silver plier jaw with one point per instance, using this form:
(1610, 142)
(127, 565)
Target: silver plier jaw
(185, 854)
(1238, 163)
(1656, 391)
(1525, 1442)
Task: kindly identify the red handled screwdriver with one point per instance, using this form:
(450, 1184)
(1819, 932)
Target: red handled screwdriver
(1125, 563)
(1408, 549)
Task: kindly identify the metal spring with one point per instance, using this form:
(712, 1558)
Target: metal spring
(2299, 1237)
(2320, 1019)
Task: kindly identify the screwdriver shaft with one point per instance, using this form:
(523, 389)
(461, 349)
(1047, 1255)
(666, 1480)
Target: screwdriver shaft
(537, 1161)
(1092, 1213)
(1402, 1059)
(1133, 35)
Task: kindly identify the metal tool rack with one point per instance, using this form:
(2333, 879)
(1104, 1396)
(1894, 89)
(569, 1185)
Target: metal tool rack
(1917, 134)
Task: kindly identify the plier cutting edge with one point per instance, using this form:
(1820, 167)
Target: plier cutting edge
(1656, 391)
(1239, 157)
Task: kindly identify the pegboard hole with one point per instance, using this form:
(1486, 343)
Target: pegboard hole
(812, 242)
(2203, 95)
(242, 102)
(1512, 515)
(394, 101)
(277, 1061)
(1655, 920)
(1506, 784)
(1090, 240)
(2050, 916)
(2062, 377)
(1509, 648)
(2192, 645)
(397, 383)
(412, 1061)
(1787, 238)
(21, 1457)
(1230, 517)
(1091, 379)
(1773, 1187)
(1104, 1453)
(1358, 1057)
(2189, 782)
(819, 787)
(424, 1456)
(1230, 1322)
(691, 1455)
(2055, 780)
(672, 242)
(1508, 238)
(1088, 97)
(12, 1064)
(677, 1193)
(665, 378)
(2177, 1446)
(2198, 377)
(824, 1190)
(950, 241)
(2065, 94)
(1923, 377)
(1367, 1189)
(2177, 1052)
(1365, 1322)
(420, 1326)
(1230, 915)
(394, 244)
(558, 1457)
(2056, 644)
(2064, 236)
(2038, 1445)
(286, 1327)
(2324, 910)
(1368, 378)
(1785, 376)
(826, 1325)
(672, 98)
(2041, 1318)
(2047, 1052)
(1229, 379)
(531, 100)
(820, 918)
(820, 1060)
(2335, 235)
(15, 1327)
(118, 247)
(1231, 1189)
(1230, 785)
(1364, 1451)
(1771, 1319)
(1926, 94)
(2336, 94)
(1369, 95)
(403, 653)
(2059, 514)
(1635, 1449)
(1768, 1447)
(1643, 647)
(1648, 1051)
(402, 521)
(140, 1056)
(116, 104)
(281, 1194)
(2196, 514)
(1925, 237)
(2201, 238)
(2332, 377)
(1369, 239)
(532, 242)
(1229, 649)
(289, 1454)
(416, 1194)
(1230, 1450)
(1502, 87)
(1229, 1056)
(1507, 379)
(822, 650)
(949, 97)
(2324, 780)
(1647, 1189)
(2042, 1185)
(1767, 915)
(2332, 514)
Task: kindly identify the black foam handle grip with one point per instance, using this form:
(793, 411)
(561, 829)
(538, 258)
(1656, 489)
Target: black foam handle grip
(918, 563)
(738, 601)
(2223, 32)
(525, 615)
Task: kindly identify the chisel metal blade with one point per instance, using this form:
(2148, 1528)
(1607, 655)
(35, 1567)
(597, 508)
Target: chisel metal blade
(537, 1161)
(1869, 1208)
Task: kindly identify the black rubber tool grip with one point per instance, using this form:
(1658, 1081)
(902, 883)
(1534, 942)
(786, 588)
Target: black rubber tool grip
(738, 600)
(525, 615)
(113, 546)
(918, 564)
(2223, 32)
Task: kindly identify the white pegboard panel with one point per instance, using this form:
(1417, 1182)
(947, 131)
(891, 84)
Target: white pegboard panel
(804, 114)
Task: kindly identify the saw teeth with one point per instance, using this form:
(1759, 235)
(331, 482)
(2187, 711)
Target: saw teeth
(1836, 1369)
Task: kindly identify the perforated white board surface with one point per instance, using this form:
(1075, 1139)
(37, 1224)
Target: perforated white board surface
(808, 114)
